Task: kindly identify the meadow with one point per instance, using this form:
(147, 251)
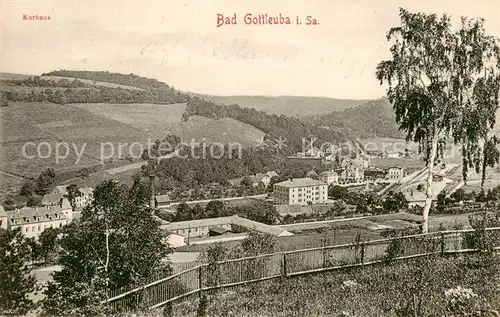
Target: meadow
(159, 120)
(89, 127)
(415, 287)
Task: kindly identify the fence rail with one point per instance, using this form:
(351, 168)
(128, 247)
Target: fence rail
(241, 271)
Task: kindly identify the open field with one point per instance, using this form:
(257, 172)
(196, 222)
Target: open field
(43, 126)
(12, 76)
(27, 89)
(159, 120)
(91, 82)
(98, 130)
(7, 180)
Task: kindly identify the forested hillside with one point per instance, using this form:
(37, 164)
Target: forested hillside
(372, 119)
(122, 79)
(293, 106)
(291, 129)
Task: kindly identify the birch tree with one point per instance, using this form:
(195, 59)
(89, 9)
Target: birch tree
(443, 85)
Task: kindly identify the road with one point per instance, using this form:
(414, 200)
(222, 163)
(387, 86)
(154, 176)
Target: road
(134, 166)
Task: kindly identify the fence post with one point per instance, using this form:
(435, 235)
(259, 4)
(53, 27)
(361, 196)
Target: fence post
(443, 246)
(284, 265)
(324, 257)
(363, 252)
(200, 286)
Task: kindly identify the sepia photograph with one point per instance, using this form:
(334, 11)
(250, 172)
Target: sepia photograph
(210, 158)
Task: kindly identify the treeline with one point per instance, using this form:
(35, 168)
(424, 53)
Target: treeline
(372, 119)
(121, 79)
(291, 130)
(97, 95)
(190, 171)
(38, 82)
(260, 211)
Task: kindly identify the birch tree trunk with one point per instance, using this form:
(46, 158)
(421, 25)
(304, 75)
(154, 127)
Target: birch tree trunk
(428, 199)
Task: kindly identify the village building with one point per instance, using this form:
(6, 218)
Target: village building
(329, 177)
(300, 191)
(162, 201)
(260, 178)
(362, 161)
(60, 192)
(3, 219)
(312, 174)
(395, 173)
(180, 233)
(35, 220)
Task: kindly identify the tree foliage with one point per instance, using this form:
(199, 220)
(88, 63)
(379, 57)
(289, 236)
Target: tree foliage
(442, 84)
(117, 243)
(16, 280)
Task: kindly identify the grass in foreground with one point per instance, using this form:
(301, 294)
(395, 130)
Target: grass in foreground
(413, 288)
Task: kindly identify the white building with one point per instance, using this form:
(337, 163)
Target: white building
(35, 220)
(329, 177)
(395, 173)
(80, 202)
(3, 219)
(300, 191)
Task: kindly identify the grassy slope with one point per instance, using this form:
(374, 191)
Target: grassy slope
(287, 105)
(379, 291)
(158, 120)
(96, 124)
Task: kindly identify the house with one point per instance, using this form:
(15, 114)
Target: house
(87, 195)
(301, 191)
(34, 220)
(350, 172)
(3, 219)
(312, 174)
(217, 231)
(329, 177)
(362, 161)
(260, 178)
(272, 174)
(52, 199)
(314, 152)
(395, 173)
(175, 240)
(162, 201)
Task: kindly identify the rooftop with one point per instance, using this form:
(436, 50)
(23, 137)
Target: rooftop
(35, 215)
(162, 198)
(300, 182)
(328, 173)
(216, 222)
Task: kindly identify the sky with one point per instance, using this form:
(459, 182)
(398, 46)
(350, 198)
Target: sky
(178, 42)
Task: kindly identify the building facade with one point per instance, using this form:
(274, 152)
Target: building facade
(35, 220)
(53, 199)
(395, 173)
(329, 177)
(300, 191)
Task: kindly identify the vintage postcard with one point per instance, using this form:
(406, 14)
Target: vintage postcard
(249, 158)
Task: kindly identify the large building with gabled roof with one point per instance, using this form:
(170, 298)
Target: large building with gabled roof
(300, 191)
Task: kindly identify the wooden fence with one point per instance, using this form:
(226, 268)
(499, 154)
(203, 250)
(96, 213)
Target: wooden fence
(242, 271)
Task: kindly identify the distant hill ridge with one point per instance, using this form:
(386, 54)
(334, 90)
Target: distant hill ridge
(294, 106)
